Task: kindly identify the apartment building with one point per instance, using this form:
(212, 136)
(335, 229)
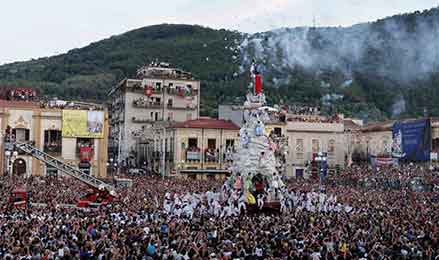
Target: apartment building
(159, 94)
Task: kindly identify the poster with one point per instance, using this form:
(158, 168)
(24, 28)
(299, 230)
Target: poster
(82, 123)
(411, 141)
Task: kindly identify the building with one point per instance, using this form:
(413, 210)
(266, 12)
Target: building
(309, 135)
(75, 132)
(233, 113)
(376, 138)
(159, 94)
(305, 132)
(200, 147)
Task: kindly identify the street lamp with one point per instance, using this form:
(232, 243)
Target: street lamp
(115, 167)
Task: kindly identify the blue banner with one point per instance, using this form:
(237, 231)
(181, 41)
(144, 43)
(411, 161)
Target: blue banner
(412, 140)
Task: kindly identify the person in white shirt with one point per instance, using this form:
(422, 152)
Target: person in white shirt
(241, 203)
(260, 200)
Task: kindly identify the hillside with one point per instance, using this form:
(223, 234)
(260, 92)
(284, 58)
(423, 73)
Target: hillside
(388, 68)
(89, 72)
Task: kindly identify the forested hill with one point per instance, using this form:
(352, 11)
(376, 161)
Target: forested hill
(388, 68)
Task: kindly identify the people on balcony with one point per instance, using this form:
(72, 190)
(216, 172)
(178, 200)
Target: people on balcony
(193, 153)
(211, 155)
(22, 94)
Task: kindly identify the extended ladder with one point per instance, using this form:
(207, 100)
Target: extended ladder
(67, 169)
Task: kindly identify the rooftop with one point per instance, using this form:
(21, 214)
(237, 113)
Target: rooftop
(350, 124)
(162, 70)
(206, 123)
(379, 126)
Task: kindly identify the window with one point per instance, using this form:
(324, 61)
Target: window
(21, 134)
(435, 145)
(52, 141)
(170, 116)
(278, 131)
(193, 152)
(230, 143)
(170, 101)
(211, 154)
(299, 145)
(315, 146)
(84, 148)
(193, 142)
(211, 143)
(156, 118)
(331, 147)
(386, 146)
(299, 148)
(152, 115)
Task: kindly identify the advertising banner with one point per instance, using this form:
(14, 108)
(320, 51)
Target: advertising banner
(82, 123)
(412, 140)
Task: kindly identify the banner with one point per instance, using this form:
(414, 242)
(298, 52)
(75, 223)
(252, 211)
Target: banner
(82, 123)
(381, 161)
(411, 141)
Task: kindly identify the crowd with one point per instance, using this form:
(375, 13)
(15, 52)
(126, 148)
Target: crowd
(19, 94)
(314, 119)
(207, 219)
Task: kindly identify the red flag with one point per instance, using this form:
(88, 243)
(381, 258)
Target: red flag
(148, 91)
(258, 84)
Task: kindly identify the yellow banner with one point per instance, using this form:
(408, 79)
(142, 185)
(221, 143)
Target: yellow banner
(82, 123)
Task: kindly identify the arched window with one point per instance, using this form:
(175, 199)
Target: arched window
(331, 147)
(315, 146)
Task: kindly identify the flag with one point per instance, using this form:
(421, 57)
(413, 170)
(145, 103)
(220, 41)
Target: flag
(148, 91)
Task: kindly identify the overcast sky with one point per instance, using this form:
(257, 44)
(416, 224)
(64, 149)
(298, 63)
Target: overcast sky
(32, 29)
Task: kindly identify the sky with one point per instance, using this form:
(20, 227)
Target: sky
(34, 29)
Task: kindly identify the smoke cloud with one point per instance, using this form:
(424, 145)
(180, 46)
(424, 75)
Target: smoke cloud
(401, 48)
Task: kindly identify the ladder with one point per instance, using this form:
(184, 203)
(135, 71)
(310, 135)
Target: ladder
(65, 168)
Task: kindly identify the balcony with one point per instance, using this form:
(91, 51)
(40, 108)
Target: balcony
(140, 103)
(141, 120)
(211, 156)
(187, 107)
(193, 155)
(175, 91)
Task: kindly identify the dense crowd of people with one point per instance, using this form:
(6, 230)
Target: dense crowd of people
(175, 218)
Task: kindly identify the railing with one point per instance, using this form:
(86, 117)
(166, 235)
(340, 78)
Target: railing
(211, 157)
(142, 120)
(146, 104)
(174, 91)
(193, 156)
(187, 107)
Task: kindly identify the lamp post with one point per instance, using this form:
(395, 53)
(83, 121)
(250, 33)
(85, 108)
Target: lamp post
(111, 166)
(14, 156)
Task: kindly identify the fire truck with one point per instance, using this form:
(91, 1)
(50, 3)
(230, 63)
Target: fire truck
(101, 193)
